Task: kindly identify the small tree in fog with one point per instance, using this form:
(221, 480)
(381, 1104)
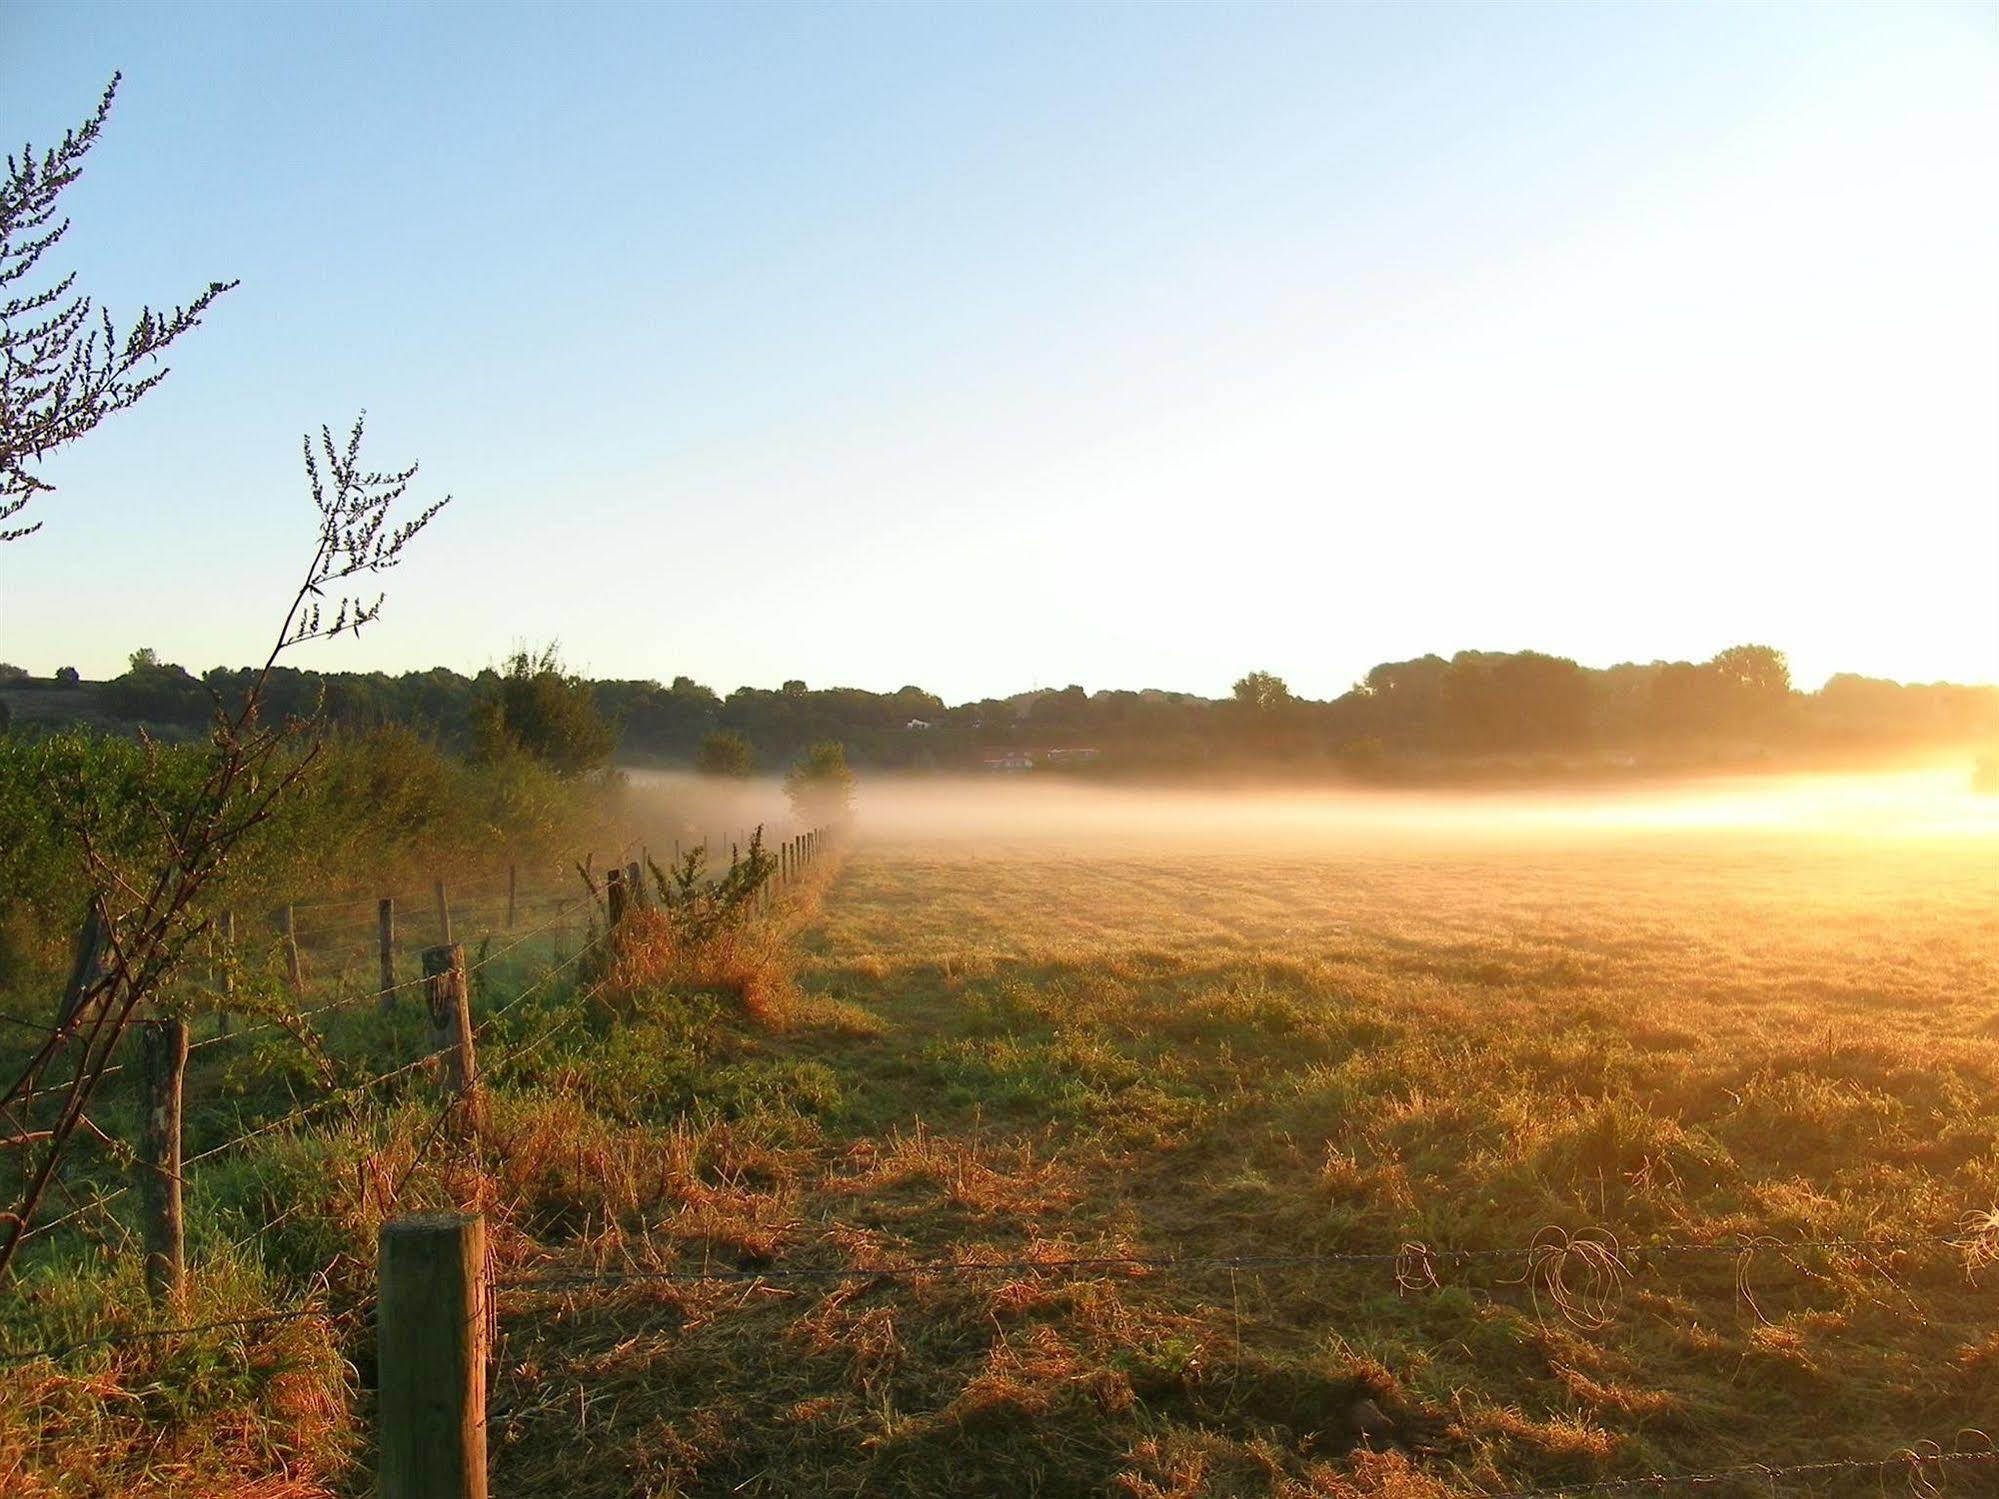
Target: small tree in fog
(64, 365)
(725, 754)
(821, 786)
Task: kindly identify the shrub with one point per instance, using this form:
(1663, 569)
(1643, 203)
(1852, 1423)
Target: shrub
(698, 908)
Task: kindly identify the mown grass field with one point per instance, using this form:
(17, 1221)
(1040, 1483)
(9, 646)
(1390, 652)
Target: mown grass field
(1011, 1055)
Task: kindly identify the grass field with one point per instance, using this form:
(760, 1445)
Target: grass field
(1583, 1066)
(1061, 1048)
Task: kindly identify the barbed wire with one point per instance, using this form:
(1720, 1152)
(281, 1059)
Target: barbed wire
(14, 1356)
(363, 996)
(420, 914)
(75, 1213)
(306, 1110)
(481, 885)
(366, 1085)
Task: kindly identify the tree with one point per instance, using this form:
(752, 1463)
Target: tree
(820, 786)
(1516, 700)
(9, 672)
(1262, 692)
(69, 676)
(156, 691)
(725, 754)
(1756, 670)
(1065, 709)
(63, 370)
(536, 708)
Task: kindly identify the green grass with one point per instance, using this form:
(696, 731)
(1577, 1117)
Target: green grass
(1031, 1054)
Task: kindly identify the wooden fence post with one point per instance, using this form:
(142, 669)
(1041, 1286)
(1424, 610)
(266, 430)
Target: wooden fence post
(163, 1062)
(513, 891)
(86, 962)
(293, 967)
(635, 885)
(443, 916)
(449, 1001)
(431, 1350)
(614, 895)
(227, 981)
(385, 949)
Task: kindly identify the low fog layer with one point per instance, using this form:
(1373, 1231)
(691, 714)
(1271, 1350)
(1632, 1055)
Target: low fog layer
(996, 810)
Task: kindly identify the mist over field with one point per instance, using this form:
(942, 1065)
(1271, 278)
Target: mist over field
(998, 812)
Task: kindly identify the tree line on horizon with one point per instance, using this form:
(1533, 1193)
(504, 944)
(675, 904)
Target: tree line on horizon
(1738, 706)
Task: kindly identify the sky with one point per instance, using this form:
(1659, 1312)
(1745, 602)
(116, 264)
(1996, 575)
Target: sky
(993, 347)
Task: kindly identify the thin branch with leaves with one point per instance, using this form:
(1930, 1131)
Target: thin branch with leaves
(64, 364)
(152, 912)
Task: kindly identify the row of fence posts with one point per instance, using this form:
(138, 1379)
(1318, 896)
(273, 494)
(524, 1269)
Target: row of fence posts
(435, 1312)
(434, 1295)
(627, 887)
(163, 1042)
(164, 1046)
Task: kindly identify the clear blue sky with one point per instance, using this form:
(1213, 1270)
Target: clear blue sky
(986, 347)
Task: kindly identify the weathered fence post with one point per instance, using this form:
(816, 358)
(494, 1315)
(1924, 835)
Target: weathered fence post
(431, 1353)
(86, 963)
(449, 1001)
(385, 943)
(443, 915)
(635, 885)
(226, 981)
(294, 969)
(513, 891)
(614, 895)
(163, 1063)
